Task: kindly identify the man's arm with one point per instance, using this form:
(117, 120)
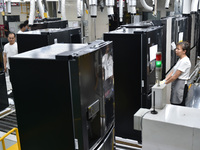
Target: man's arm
(5, 61)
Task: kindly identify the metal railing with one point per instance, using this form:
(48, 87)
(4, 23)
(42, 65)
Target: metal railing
(17, 136)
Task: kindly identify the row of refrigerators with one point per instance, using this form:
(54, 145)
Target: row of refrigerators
(87, 94)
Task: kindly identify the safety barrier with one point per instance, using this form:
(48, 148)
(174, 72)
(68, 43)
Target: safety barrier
(15, 146)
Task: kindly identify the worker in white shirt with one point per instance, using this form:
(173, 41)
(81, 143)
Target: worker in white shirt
(179, 74)
(10, 49)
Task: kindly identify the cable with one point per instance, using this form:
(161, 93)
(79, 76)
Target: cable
(142, 118)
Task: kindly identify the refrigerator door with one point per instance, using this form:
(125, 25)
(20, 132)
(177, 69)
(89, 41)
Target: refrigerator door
(152, 43)
(108, 112)
(91, 74)
(86, 98)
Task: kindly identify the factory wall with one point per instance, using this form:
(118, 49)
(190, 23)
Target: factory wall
(71, 15)
(160, 7)
(101, 22)
(16, 10)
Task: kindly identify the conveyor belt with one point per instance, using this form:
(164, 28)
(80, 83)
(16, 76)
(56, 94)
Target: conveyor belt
(8, 122)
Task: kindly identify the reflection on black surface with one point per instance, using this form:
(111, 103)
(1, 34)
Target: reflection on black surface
(108, 85)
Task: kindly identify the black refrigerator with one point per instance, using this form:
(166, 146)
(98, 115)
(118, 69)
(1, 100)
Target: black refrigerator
(65, 91)
(3, 89)
(38, 38)
(134, 52)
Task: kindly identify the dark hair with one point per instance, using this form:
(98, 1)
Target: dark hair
(26, 22)
(22, 25)
(11, 33)
(185, 46)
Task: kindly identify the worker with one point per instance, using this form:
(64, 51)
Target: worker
(26, 25)
(10, 49)
(22, 27)
(179, 74)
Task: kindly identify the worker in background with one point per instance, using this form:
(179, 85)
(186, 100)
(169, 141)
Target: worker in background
(179, 75)
(26, 25)
(22, 27)
(10, 49)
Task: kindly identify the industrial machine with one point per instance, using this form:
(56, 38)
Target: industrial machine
(3, 89)
(173, 127)
(167, 126)
(44, 37)
(134, 68)
(64, 96)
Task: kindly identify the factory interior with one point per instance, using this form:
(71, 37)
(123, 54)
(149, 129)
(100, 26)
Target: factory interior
(99, 74)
